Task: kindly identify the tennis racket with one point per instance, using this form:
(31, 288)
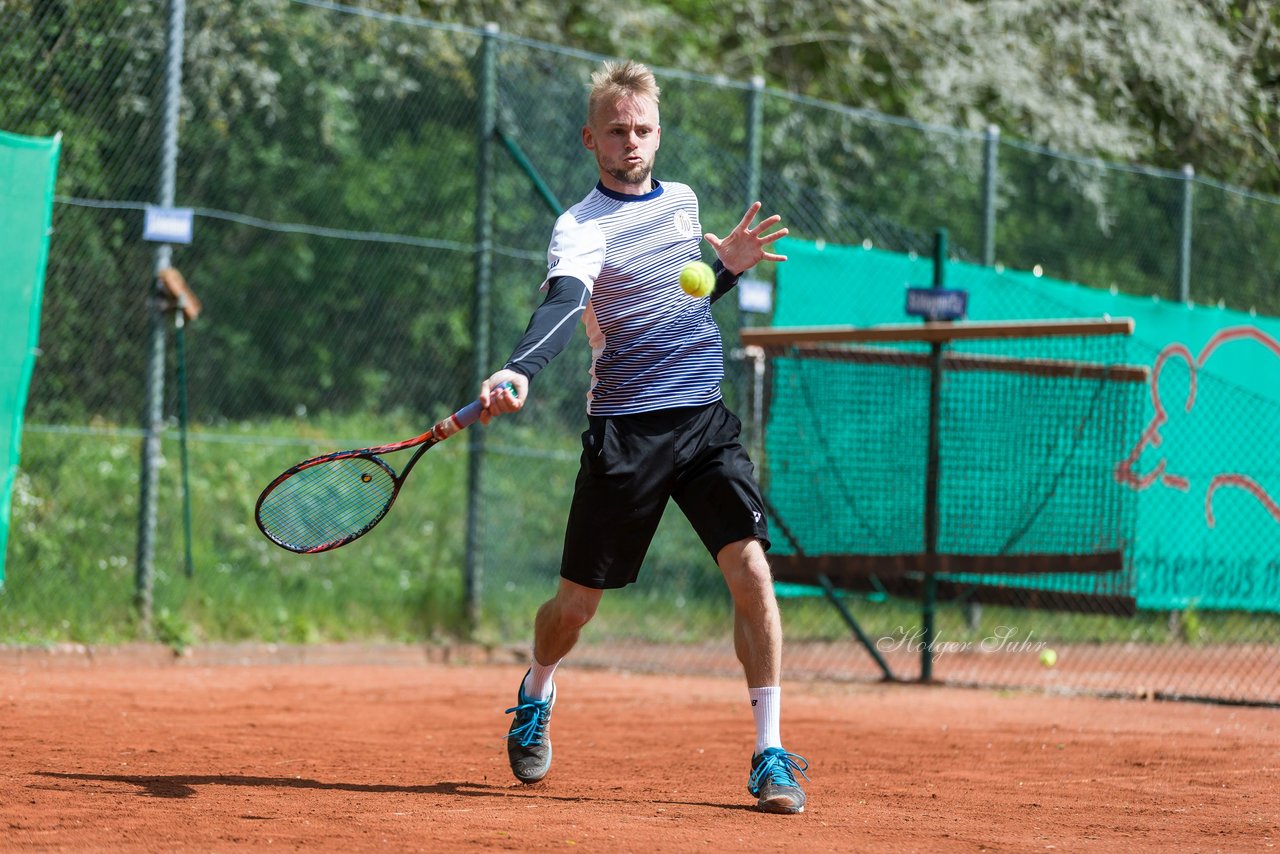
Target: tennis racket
(328, 501)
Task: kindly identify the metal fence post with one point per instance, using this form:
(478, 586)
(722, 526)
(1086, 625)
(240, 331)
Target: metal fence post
(929, 595)
(1184, 245)
(755, 130)
(749, 381)
(990, 154)
(153, 418)
(481, 309)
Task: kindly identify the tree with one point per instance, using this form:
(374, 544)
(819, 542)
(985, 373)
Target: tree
(1161, 82)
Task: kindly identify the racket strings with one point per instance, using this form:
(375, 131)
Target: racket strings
(328, 502)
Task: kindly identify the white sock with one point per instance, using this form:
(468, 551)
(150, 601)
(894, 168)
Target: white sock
(537, 682)
(766, 707)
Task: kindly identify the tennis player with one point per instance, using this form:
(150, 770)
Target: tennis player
(657, 427)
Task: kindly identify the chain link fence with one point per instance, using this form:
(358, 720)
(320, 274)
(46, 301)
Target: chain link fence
(339, 163)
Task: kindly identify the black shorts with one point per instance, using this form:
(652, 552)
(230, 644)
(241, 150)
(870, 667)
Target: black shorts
(631, 465)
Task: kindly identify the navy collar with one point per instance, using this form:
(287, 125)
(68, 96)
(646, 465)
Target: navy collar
(623, 197)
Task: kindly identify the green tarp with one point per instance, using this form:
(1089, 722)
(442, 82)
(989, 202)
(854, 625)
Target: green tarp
(28, 169)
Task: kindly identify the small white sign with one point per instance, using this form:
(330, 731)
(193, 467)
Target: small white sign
(168, 225)
(755, 296)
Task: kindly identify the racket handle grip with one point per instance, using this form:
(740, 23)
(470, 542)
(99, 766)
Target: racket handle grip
(470, 414)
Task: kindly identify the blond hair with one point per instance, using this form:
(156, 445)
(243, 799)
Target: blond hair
(617, 81)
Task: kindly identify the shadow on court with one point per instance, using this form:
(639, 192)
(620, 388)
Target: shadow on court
(187, 785)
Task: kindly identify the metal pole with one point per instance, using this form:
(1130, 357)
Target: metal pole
(522, 160)
(759, 364)
(487, 122)
(930, 595)
(755, 132)
(829, 590)
(990, 153)
(153, 418)
(1184, 245)
(180, 351)
(755, 129)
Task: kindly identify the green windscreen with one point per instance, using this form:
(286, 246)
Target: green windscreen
(1176, 471)
(28, 168)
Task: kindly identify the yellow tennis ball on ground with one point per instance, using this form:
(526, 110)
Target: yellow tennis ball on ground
(1048, 657)
(697, 279)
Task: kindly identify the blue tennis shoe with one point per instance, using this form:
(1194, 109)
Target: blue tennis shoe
(774, 783)
(528, 742)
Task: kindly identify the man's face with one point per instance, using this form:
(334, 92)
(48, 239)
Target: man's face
(624, 136)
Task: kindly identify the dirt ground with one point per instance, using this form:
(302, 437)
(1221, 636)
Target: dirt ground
(388, 750)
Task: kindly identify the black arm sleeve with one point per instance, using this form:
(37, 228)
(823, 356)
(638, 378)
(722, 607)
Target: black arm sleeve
(725, 281)
(551, 326)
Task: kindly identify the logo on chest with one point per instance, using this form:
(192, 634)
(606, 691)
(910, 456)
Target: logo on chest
(684, 224)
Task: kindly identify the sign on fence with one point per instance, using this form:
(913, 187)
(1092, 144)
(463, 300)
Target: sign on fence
(167, 225)
(937, 303)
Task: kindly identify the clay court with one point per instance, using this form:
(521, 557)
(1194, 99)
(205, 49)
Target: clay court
(391, 749)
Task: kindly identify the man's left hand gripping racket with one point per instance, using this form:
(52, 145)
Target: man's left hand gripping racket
(328, 501)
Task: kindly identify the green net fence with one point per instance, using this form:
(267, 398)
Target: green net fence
(1026, 445)
(335, 159)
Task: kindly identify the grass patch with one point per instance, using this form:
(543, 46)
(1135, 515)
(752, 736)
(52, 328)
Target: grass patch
(71, 567)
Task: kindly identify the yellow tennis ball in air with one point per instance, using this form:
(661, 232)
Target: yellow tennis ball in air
(697, 279)
(1048, 658)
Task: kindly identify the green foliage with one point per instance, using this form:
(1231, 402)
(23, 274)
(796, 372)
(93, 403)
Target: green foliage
(173, 631)
(1188, 625)
(1163, 82)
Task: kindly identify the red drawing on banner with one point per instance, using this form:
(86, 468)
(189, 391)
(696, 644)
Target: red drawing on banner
(1126, 470)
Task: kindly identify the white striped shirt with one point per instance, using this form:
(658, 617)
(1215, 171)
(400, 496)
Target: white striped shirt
(653, 346)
